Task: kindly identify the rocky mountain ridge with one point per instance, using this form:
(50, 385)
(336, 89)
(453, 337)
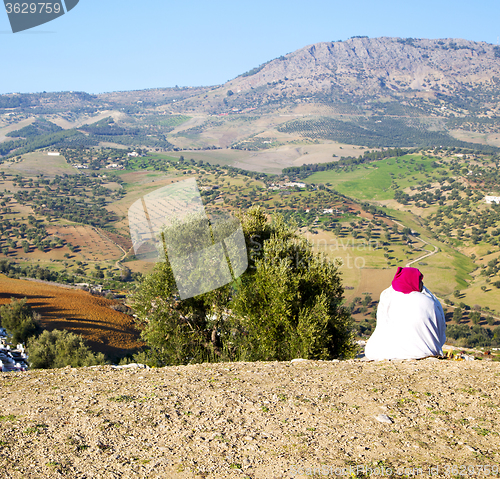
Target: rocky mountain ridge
(417, 86)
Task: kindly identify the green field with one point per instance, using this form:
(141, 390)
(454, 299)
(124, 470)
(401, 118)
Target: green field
(377, 180)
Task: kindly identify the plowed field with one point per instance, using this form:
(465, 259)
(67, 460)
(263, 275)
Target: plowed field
(105, 329)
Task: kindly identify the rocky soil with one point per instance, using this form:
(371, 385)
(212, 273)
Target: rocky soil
(253, 420)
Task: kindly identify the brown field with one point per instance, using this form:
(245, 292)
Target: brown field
(122, 241)
(106, 330)
(39, 163)
(139, 184)
(17, 126)
(35, 254)
(144, 267)
(274, 160)
(93, 246)
(474, 137)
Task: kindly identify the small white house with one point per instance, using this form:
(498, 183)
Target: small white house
(492, 199)
(134, 154)
(53, 153)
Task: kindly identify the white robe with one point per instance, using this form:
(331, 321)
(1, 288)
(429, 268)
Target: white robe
(409, 326)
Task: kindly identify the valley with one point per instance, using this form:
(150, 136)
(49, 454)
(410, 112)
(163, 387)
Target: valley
(382, 151)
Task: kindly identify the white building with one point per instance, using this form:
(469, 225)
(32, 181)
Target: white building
(492, 199)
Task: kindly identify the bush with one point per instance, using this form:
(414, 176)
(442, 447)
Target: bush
(56, 349)
(475, 317)
(457, 315)
(19, 320)
(287, 304)
(475, 336)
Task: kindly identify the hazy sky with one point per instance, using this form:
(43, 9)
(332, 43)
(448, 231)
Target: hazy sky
(111, 45)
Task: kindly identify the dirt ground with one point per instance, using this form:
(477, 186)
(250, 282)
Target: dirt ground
(93, 245)
(427, 418)
(104, 329)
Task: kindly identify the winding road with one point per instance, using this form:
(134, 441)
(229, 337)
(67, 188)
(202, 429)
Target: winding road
(436, 249)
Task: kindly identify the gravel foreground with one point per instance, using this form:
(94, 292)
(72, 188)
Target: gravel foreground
(428, 418)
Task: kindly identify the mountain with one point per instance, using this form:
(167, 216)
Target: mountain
(367, 67)
(362, 91)
(416, 72)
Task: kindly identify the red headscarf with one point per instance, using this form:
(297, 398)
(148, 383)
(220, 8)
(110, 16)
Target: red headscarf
(407, 280)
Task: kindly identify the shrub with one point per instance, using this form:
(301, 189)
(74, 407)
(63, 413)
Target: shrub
(19, 320)
(56, 349)
(457, 315)
(474, 336)
(475, 317)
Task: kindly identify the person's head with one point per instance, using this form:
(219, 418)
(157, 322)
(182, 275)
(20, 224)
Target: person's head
(408, 280)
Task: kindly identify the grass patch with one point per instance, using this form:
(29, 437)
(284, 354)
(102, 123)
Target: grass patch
(35, 429)
(377, 180)
(9, 417)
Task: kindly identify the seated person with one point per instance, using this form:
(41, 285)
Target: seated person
(410, 320)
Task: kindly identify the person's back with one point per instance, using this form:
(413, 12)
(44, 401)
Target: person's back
(410, 320)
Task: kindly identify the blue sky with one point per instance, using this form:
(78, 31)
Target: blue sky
(114, 45)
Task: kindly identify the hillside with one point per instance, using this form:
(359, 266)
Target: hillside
(372, 69)
(363, 91)
(72, 164)
(104, 328)
(259, 421)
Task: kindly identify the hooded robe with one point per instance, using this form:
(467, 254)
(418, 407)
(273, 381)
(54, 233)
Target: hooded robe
(410, 322)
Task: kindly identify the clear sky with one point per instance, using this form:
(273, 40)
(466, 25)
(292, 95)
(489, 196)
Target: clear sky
(114, 45)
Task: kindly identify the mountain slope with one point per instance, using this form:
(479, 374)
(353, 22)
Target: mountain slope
(363, 91)
(370, 69)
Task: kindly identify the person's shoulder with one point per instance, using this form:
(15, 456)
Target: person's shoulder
(388, 292)
(422, 297)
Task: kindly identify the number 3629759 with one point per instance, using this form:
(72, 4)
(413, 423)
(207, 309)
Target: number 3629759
(33, 7)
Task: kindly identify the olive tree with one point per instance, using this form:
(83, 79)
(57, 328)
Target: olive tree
(288, 304)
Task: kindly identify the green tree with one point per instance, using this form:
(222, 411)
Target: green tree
(475, 317)
(19, 320)
(290, 303)
(457, 315)
(287, 304)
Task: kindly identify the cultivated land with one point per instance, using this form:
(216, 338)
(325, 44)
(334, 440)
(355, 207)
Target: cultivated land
(369, 215)
(254, 421)
(105, 329)
(65, 217)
